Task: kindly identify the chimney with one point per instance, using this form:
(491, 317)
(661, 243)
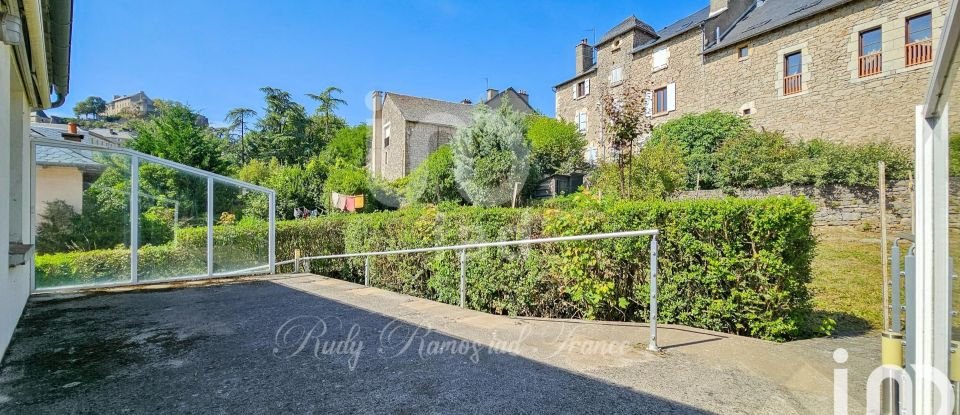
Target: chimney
(718, 6)
(116, 97)
(72, 134)
(491, 93)
(524, 95)
(467, 101)
(584, 56)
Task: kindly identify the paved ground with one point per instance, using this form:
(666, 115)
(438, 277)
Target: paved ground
(312, 344)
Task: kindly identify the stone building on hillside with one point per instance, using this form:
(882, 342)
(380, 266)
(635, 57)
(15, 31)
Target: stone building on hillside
(136, 105)
(850, 70)
(407, 129)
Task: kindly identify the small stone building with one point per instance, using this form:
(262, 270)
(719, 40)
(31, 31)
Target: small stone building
(407, 129)
(848, 70)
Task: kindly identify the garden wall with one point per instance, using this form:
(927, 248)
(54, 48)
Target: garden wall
(845, 205)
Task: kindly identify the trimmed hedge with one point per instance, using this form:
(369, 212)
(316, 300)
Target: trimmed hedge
(113, 265)
(731, 265)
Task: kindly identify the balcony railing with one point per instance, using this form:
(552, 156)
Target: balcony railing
(919, 52)
(792, 84)
(871, 64)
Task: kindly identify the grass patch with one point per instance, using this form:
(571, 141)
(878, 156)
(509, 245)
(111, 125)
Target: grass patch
(847, 284)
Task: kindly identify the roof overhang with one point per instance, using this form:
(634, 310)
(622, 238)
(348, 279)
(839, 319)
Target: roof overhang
(43, 57)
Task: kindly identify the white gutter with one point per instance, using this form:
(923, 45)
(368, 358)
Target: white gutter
(33, 15)
(945, 65)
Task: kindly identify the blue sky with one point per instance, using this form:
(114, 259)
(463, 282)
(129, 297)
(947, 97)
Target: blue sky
(215, 55)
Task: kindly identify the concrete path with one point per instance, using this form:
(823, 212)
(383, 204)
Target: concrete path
(305, 343)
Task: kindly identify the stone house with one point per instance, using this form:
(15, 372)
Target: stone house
(136, 105)
(850, 70)
(407, 129)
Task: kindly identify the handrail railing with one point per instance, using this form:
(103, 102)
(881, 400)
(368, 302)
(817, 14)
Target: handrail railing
(871, 64)
(653, 233)
(918, 52)
(792, 84)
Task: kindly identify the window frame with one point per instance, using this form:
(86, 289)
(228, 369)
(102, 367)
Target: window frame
(906, 27)
(386, 135)
(659, 102)
(787, 74)
(861, 52)
(740, 52)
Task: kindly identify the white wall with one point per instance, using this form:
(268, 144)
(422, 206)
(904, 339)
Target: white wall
(15, 182)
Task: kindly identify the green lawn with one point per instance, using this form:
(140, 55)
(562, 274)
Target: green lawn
(847, 283)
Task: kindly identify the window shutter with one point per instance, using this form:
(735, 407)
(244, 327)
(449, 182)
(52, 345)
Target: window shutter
(671, 97)
(586, 87)
(649, 104)
(575, 96)
(583, 119)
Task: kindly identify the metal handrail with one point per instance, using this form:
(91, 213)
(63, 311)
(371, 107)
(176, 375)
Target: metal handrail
(653, 233)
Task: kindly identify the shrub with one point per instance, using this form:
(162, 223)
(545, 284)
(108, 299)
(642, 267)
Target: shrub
(433, 181)
(822, 163)
(732, 265)
(349, 180)
(753, 160)
(556, 146)
(490, 155)
(57, 227)
(657, 171)
(699, 136)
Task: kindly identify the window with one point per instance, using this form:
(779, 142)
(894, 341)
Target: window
(660, 101)
(792, 75)
(871, 56)
(581, 121)
(386, 135)
(660, 58)
(616, 75)
(743, 52)
(591, 155)
(582, 89)
(919, 45)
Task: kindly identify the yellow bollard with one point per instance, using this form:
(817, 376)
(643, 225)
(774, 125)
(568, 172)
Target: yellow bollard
(954, 362)
(891, 349)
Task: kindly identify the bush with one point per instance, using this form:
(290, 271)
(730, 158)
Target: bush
(656, 172)
(490, 155)
(822, 163)
(113, 265)
(699, 136)
(433, 181)
(753, 160)
(555, 146)
(732, 265)
(348, 180)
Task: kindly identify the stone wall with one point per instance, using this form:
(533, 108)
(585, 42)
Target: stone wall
(392, 161)
(849, 206)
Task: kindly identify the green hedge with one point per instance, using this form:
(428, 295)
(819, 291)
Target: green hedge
(113, 265)
(731, 265)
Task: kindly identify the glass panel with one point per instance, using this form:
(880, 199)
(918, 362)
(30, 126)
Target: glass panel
(173, 223)
(83, 217)
(871, 41)
(240, 237)
(919, 28)
(793, 63)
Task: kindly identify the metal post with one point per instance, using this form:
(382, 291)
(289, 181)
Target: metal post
(296, 261)
(134, 218)
(176, 220)
(882, 167)
(210, 226)
(910, 286)
(463, 278)
(896, 303)
(930, 315)
(366, 271)
(272, 233)
(653, 296)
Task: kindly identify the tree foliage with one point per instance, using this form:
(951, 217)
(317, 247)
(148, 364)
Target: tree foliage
(625, 120)
(490, 155)
(699, 136)
(433, 181)
(175, 135)
(657, 171)
(556, 146)
(91, 107)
